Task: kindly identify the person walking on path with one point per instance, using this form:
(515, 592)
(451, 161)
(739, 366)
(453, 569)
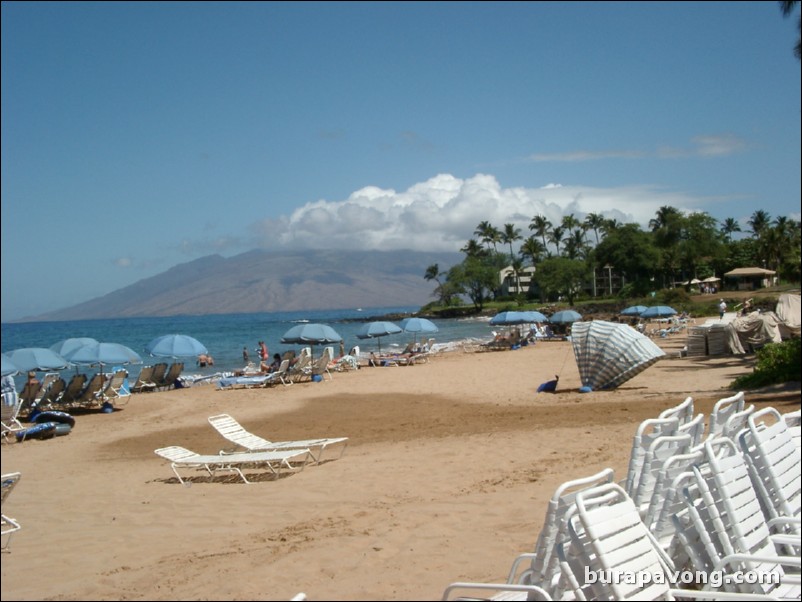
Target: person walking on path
(722, 307)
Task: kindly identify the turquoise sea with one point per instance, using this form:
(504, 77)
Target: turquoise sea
(226, 335)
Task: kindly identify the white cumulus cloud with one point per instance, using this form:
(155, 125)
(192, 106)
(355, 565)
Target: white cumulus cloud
(442, 213)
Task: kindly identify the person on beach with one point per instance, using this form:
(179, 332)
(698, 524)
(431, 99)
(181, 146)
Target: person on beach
(722, 307)
(274, 365)
(205, 360)
(264, 354)
(245, 357)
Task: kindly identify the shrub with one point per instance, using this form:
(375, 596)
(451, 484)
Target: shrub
(776, 363)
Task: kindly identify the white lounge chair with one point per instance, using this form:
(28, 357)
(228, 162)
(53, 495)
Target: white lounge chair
(722, 411)
(540, 578)
(724, 529)
(273, 461)
(9, 525)
(12, 403)
(774, 461)
(232, 430)
(608, 539)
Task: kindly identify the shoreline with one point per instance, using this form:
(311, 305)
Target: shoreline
(446, 477)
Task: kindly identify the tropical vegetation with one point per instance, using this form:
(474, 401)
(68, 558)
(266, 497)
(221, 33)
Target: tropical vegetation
(572, 257)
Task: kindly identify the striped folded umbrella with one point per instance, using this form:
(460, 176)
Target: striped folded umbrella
(609, 354)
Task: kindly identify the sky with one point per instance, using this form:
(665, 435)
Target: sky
(138, 136)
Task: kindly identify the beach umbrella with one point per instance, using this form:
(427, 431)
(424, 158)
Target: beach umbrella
(316, 334)
(418, 325)
(377, 330)
(175, 346)
(508, 318)
(311, 334)
(609, 354)
(535, 316)
(633, 310)
(103, 354)
(566, 316)
(658, 311)
(68, 345)
(9, 367)
(37, 359)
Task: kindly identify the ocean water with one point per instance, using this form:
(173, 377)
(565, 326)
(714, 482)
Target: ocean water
(225, 335)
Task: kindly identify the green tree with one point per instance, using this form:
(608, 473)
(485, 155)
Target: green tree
(630, 251)
(541, 227)
(556, 237)
(488, 234)
(533, 249)
(728, 226)
(561, 276)
(509, 236)
(473, 249)
(476, 277)
(595, 222)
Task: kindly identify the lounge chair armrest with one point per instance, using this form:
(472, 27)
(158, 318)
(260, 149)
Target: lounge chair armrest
(538, 593)
(514, 576)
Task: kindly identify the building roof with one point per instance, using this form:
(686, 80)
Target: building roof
(750, 272)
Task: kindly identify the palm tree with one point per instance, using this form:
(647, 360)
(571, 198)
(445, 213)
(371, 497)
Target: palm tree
(433, 273)
(759, 222)
(473, 249)
(556, 237)
(595, 222)
(540, 226)
(569, 223)
(729, 226)
(787, 7)
(488, 234)
(664, 218)
(533, 249)
(509, 236)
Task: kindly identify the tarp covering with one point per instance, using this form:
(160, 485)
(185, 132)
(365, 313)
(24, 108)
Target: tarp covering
(610, 353)
(789, 315)
(755, 330)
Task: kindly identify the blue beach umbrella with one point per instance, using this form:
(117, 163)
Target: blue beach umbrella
(315, 334)
(566, 316)
(37, 359)
(104, 354)
(418, 325)
(68, 345)
(633, 310)
(535, 316)
(175, 346)
(658, 311)
(9, 367)
(377, 330)
(510, 318)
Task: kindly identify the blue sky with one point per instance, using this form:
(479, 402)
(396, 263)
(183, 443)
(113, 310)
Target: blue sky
(136, 136)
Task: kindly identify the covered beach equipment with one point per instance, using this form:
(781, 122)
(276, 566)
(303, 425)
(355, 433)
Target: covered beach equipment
(633, 310)
(39, 359)
(175, 346)
(418, 325)
(377, 330)
(609, 353)
(658, 311)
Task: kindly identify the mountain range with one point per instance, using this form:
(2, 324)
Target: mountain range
(265, 281)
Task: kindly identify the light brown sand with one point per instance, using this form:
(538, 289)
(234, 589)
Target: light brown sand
(447, 475)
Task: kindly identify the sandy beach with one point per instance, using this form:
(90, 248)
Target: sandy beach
(446, 477)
